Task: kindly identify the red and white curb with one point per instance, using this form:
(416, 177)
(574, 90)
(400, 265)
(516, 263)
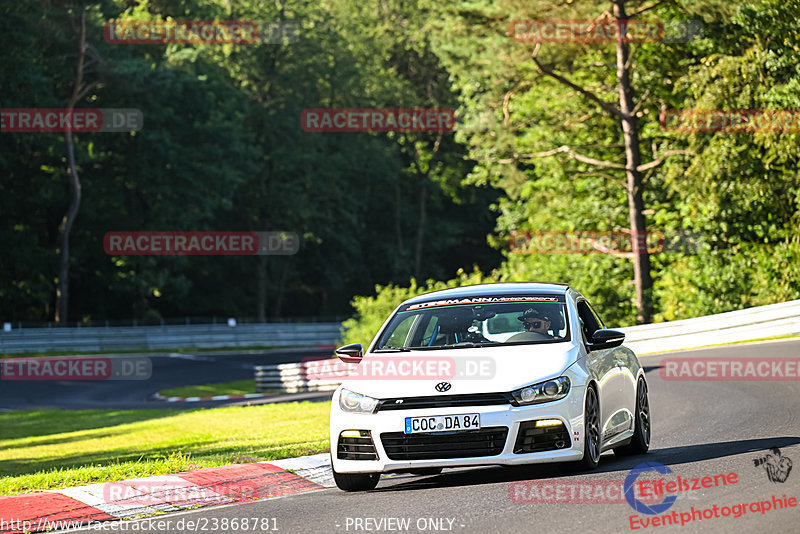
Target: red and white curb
(157, 396)
(316, 468)
(143, 497)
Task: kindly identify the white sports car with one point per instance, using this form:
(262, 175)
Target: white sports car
(493, 374)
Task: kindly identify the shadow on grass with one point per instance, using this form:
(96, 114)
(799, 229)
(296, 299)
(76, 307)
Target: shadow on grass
(26, 466)
(24, 424)
(59, 441)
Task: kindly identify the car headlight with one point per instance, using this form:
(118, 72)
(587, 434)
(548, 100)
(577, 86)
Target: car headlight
(350, 401)
(549, 390)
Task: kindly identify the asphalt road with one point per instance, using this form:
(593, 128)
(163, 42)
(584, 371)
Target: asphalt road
(169, 370)
(699, 429)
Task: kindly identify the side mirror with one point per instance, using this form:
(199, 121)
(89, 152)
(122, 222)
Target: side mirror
(606, 339)
(350, 353)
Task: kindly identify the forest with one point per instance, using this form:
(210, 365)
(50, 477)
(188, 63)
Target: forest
(569, 118)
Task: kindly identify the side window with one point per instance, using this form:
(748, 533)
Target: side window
(596, 316)
(589, 322)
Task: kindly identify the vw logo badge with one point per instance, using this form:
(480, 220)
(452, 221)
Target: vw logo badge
(441, 387)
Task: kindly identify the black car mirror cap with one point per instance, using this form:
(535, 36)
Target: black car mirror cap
(606, 339)
(352, 353)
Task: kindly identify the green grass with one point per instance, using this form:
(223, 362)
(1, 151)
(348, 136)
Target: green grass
(50, 449)
(239, 387)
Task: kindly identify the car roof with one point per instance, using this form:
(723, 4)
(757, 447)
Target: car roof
(482, 290)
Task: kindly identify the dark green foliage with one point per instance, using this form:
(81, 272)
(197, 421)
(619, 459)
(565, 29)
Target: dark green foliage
(222, 149)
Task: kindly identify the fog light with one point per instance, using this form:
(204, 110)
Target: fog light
(548, 422)
(350, 434)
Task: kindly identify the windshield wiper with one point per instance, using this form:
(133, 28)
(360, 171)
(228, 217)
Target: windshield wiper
(467, 345)
(463, 344)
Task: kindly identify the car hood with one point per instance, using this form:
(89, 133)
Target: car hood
(468, 370)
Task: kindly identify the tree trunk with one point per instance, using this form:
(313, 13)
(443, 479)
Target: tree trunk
(261, 289)
(423, 200)
(398, 229)
(62, 290)
(630, 130)
(423, 218)
(278, 304)
(78, 92)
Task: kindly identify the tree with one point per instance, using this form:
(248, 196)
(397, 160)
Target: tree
(633, 167)
(79, 91)
(521, 109)
(740, 192)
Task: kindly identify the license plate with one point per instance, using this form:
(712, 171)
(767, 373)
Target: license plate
(443, 423)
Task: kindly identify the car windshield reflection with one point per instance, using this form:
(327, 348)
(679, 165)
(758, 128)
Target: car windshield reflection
(477, 322)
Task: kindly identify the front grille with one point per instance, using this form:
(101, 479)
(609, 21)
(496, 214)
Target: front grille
(487, 441)
(352, 448)
(548, 438)
(445, 401)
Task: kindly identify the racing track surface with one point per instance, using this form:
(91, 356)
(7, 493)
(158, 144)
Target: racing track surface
(169, 370)
(700, 429)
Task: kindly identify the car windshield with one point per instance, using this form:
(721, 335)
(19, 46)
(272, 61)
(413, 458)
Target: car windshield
(477, 321)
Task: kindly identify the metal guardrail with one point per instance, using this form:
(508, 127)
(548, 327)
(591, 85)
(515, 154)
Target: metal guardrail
(311, 375)
(741, 325)
(167, 337)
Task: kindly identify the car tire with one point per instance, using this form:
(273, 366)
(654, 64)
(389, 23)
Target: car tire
(640, 442)
(355, 481)
(591, 429)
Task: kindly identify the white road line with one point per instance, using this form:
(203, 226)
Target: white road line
(193, 357)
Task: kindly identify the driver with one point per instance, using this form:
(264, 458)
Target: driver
(535, 321)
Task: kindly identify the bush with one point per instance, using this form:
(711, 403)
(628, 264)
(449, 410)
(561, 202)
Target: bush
(712, 280)
(371, 312)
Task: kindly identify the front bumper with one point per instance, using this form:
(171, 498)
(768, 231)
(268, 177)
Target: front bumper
(568, 410)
